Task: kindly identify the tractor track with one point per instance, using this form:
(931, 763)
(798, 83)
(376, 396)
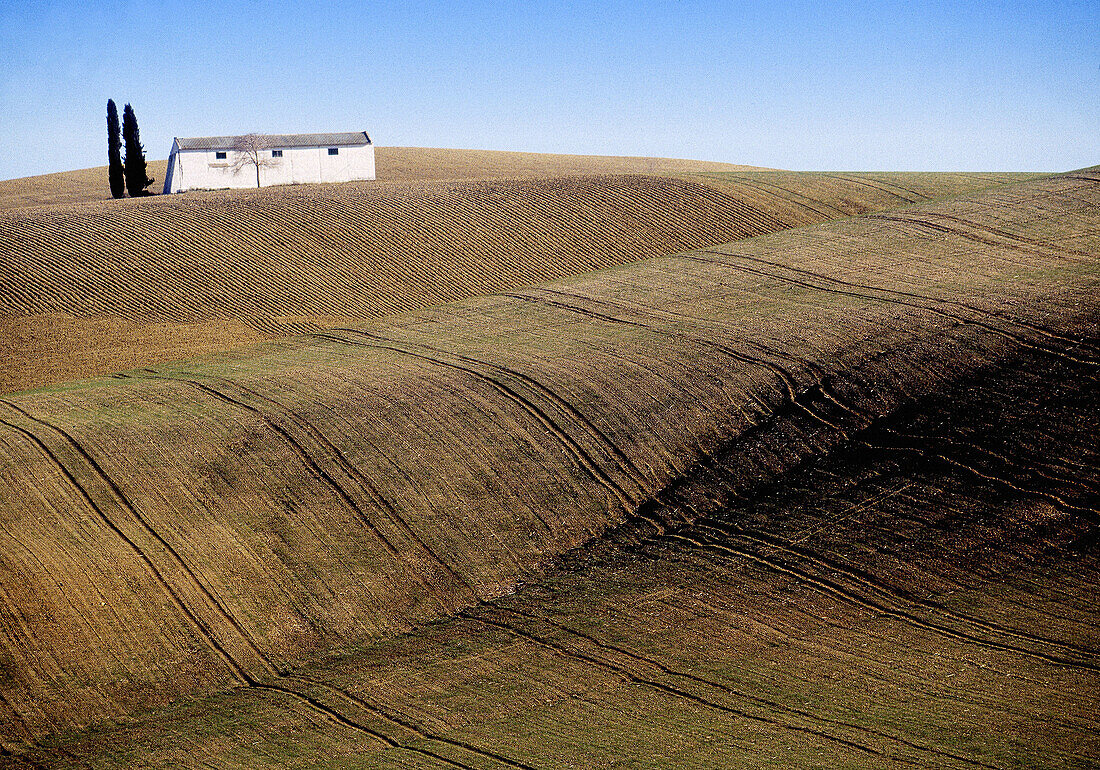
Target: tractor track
(789, 387)
(928, 300)
(627, 466)
(866, 581)
(583, 458)
(936, 311)
(635, 677)
(741, 694)
(205, 630)
(834, 589)
(332, 455)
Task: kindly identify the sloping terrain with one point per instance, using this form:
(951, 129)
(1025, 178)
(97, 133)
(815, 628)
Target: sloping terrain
(87, 290)
(395, 164)
(231, 524)
(884, 606)
(409, 164)
(64, 187)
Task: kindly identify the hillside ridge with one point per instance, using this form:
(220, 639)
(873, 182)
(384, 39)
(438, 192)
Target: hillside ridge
(99, 287)
(395, 164)
(197, 528)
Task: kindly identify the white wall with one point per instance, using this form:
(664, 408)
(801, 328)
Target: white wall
(202, 170)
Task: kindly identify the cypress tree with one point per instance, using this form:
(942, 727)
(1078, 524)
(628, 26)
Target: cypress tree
(114, 152)
(136, 173)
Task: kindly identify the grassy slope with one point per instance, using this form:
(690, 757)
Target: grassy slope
(869, 610)
(194, 528)
(90, 289)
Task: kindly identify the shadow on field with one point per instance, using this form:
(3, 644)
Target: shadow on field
(922, 595)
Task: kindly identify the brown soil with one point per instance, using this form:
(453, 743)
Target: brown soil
(123, 282)
(226, 527)
(394, 164)
(883, 606)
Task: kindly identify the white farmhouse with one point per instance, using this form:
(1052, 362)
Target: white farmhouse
(211, 162)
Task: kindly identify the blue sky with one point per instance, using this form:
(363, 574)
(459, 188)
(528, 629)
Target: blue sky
(888, 85)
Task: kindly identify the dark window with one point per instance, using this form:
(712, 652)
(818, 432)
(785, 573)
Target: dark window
(333, 150)
(276, 153)
(219, 156)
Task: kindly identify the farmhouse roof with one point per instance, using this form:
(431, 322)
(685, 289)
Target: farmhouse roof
(345, 139)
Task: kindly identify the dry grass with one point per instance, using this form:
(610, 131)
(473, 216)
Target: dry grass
(94, 288)
(204, 527)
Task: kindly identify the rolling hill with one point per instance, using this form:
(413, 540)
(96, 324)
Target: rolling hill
(395, 164)
(759, 501)
(93, 288)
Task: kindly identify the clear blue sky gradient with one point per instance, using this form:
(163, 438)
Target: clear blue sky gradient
(888, 85)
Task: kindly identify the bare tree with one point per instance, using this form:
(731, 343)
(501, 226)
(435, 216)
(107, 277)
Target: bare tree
(249, 150)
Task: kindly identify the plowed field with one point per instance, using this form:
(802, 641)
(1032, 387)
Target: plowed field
(883, 607)
(394, 164)
(835, 487)
(87, 290)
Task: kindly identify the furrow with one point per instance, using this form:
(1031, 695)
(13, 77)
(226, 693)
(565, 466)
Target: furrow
(676, 692)
(867, 582)
(764, 702)
(833, 589)
(936, 311)
(591, 467)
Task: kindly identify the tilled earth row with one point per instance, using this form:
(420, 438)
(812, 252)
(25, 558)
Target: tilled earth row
(924, 595)
(216, 528)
